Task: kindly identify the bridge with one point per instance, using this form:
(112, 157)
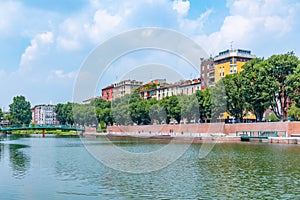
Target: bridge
(43, 127)
(247, 135)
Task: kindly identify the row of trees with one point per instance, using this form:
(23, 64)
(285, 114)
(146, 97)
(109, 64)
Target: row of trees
(265, 83)
(131, 109)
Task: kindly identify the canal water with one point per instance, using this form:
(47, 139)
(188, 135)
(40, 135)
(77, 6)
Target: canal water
(61, 168)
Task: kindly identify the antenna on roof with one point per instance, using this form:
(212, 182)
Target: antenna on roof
(231, 45)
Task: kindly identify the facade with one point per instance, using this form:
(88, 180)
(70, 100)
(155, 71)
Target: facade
(167, 90)
(125, 87)
(107, 93)
(207, 73)
(149, 90)
(187, 87)
(88, 101)
(190, 87)
(230, 62)
(44, 114)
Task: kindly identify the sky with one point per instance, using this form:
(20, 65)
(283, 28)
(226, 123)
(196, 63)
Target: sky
(43, 44)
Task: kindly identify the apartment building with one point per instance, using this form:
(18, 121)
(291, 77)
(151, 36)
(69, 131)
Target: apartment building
(125, 87)
(44, 114)
(230, 62)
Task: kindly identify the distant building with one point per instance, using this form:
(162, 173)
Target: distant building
(207, 73)
(88, 101)
(168, 90)
(230, 62)
(149, 90)
(108, 93)
(125, 87)
(190, 87)
(44, 114)
(187, 87)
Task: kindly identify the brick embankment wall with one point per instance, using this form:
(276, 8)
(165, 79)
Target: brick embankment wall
(185, 128)
(289, 127)
(90, 130)
(279, 126)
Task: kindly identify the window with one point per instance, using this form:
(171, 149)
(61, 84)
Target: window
(222, 72)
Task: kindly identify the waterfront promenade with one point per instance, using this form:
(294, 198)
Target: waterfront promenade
(291, 128)
(286, 132)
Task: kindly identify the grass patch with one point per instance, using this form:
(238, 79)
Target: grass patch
(55, 132)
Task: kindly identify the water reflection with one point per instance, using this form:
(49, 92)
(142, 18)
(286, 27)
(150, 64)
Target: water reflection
(230, 171)
(1, 150)
(65, 170)
(19, 161)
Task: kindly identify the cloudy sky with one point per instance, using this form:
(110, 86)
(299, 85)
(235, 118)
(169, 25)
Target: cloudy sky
(44, 43)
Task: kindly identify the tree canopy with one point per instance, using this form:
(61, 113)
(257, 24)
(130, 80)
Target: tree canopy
(20, 111)
(64, 113)
(263, 83)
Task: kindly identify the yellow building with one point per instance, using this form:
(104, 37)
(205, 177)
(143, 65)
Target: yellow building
(230, 62)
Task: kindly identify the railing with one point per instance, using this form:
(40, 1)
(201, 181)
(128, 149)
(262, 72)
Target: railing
(40, 126)
(259, 134)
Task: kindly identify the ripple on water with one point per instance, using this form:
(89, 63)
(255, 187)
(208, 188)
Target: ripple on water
(231, 171)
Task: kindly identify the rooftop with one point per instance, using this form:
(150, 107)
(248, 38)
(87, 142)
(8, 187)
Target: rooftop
(234, 53)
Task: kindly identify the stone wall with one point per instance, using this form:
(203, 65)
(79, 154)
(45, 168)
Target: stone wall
(289, 127)
(90, 129)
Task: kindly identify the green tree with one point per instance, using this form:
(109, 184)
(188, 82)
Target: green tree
(60, 116)
(20, 111)
(172, 106)
(1, 114)
(84, 114)
(203, 98)
(280, 67)
(139, 110)
(64, 113)
(189, 107)
(103, 111)
(120, 110)
(294, 112)
(218, 101)
(256, 83)
(293, 87)
(157, 112)
(272, 118)
(235, 100)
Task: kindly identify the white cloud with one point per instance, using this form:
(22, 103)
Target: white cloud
(76, 32)
(195, 26)
(8, 12)
(63, 75)
(182, 7)
(103, 23)
(252, 22)
(38, 46)
(71, 33)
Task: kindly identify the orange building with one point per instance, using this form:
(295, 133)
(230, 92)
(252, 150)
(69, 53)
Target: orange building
(107, 93)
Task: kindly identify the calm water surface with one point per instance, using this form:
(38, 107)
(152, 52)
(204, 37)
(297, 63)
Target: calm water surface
(61, 168)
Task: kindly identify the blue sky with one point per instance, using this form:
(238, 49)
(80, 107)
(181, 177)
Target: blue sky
(44, 43)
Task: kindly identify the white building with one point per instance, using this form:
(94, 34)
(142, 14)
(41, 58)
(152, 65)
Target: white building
(187, 87)
(44, 114)
(125, 87)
